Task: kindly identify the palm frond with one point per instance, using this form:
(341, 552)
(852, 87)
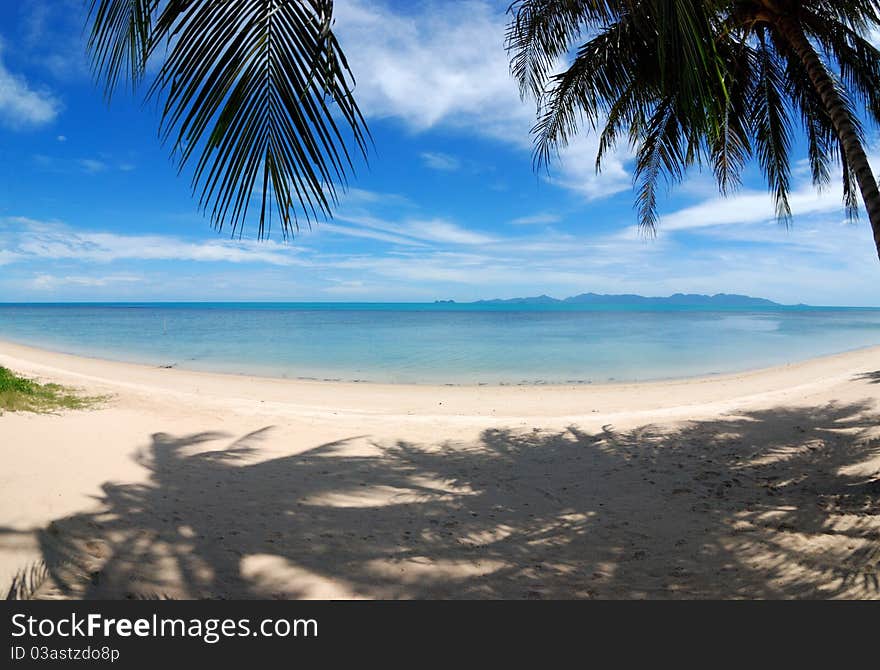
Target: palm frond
(728, 140)
(822, 139)
(255, 86)
(660, 155)
(858, 61)
(541, 31)
(823, 142)
(596, 79)
(858, 15)
(120, 39)
(256, 95)
(626, 111)
(772, 128)
(716, 80)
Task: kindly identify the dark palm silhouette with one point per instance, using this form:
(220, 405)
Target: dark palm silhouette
(563, 515)
(257, 93)
(715, 82)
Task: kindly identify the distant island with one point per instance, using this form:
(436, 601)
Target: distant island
(629, 299)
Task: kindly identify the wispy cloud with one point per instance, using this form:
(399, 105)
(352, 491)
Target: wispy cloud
(85, 165)
(543, 218)
(440, 161)
(754, 206)
(354, 197)
(91, 165)
(49, 257)
(575, 169)
(49, 282)
(748, 207)
(365, 233)
(427, 68)
(50, 36)
(53, 240)
(7, 257)
(439, 230)
(21, 104)
(420, 230)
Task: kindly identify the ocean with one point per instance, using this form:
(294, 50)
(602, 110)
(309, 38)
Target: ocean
(442, 343)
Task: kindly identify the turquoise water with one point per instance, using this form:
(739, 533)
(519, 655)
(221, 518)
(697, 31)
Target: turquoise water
(429, 343)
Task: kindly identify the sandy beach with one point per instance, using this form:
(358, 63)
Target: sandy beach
(195, 485)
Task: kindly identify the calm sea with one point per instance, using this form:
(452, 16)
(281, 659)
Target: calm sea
(430, 343)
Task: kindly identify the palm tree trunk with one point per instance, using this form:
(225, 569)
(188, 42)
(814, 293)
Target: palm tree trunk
(840, 118)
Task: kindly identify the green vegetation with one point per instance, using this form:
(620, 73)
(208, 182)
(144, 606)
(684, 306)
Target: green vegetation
(19, 394)
(712, 83)
(255, 95)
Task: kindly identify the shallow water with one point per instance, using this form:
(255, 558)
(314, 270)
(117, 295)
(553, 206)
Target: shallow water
(429, 343)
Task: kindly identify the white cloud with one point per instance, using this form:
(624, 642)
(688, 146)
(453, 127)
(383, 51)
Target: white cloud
(335, 228)
(431, 230)
(53, 240)
(575, 168)
(438, 230)
(48, 282)
(7, 257)
(748, 207)
(423, 258)
(754, 206)
(542, 218)
(50, 37)
(435, 68)
(91, 165)
(347, 288)
(358, 197)
(21, 105)
(510, 273)
(440, 161)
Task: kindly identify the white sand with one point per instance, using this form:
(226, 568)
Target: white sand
(187, 484)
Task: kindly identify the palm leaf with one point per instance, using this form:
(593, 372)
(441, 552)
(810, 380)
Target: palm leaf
(661, 154)
(728, 141)
(540, 33)
(255, 95)
(597, 77)
(716, 79)
(772, 128)
(823, 142)
(119, 40)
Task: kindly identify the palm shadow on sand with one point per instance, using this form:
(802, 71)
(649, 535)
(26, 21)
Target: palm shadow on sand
(779, 503)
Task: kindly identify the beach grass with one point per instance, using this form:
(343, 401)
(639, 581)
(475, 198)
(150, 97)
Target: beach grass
(20, 394)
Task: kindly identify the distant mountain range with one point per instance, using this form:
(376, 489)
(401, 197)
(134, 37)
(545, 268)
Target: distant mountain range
(678, 299)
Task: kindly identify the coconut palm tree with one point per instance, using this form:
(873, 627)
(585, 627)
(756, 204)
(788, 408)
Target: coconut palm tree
(712, 81)
(255, 94)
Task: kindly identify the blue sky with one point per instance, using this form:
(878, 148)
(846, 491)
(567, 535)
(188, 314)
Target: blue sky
(449, 207)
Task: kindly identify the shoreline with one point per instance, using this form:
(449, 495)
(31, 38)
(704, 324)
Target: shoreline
(28, 351)
(517, 404)
(199, 485)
